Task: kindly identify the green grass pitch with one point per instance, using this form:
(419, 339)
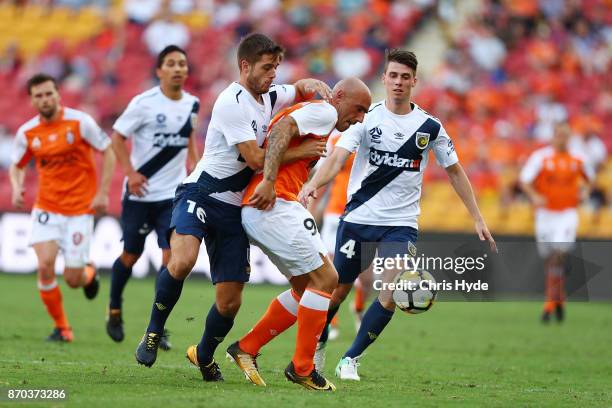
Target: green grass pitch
(457, 354)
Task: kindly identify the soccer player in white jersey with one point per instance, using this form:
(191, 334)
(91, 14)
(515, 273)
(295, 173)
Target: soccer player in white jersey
(392, 145)
(207, 204)
(161, 123)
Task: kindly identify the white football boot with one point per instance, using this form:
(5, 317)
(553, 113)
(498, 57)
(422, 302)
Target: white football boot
(347, 368)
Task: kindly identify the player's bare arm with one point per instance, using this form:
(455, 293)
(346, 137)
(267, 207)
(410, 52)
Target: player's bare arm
(193, 155)
(17, 177)
(329, 169)
(536, 198)
(137, 183)
(254, 155)
(264, 195)
(463, 188)
(306, 89)
(100, 200)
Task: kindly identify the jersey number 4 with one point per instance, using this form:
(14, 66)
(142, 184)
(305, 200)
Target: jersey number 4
(348, 248)
(199, 211)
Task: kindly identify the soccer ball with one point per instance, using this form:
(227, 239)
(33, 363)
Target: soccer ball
(414, 291)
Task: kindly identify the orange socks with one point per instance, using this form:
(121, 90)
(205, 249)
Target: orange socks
(89, 272)
(311, 318)
(281, 314)
(52, 298)
(555, 287)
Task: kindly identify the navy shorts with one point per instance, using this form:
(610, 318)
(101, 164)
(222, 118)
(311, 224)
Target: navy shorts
(356, 246)
(219, 225)
(138, 218)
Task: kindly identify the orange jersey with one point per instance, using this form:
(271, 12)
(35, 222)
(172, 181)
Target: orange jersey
(315, 119)
(63, 151)
(556, 176)
(337, 191)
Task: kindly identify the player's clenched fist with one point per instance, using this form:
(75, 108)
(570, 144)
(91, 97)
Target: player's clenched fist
(18, 198)
(307, 191)
(312, 147)
(264, 196)
(137, 184)
(100, 203)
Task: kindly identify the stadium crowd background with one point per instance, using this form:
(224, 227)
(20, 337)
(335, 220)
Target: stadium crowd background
(505, 73)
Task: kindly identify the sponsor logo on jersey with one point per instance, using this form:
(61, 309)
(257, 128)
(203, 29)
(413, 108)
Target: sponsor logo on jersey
(375, 133)
(392, 159)
(52, 137)
(169, 139)
(399, 135)
(422, 140)
(58, 160)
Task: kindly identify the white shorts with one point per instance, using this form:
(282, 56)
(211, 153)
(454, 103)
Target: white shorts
(329, 231)
(288, 235)
(72, 233)
(555, 230)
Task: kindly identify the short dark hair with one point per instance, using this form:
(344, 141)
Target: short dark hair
(254, 46)
(402, 57)
(38, 79)
(169, 49)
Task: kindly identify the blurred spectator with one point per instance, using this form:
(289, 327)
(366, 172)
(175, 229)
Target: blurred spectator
(591, 148)
(549, 112)
(6, 148)
(486, 49)
(165, 30)
(141, 11)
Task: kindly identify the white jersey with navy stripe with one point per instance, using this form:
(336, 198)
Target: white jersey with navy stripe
(236, 117)
(160, 129)
(392, 154)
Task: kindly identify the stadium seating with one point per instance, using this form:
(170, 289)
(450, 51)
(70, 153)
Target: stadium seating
(102, 62)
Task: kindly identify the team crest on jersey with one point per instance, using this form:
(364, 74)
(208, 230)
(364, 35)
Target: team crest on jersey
(161, 118)
(77, 238)
(69, 137)
(375, 133)
(36, 143)
(422, 140)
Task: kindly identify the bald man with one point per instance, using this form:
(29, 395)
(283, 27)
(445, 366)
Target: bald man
(274, 220)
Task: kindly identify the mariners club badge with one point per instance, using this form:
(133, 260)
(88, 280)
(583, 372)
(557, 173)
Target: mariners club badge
(422, 140)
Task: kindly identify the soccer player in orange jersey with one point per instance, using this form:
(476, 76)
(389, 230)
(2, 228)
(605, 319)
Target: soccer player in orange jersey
(288, 234)
(552, 178)
(62, 142)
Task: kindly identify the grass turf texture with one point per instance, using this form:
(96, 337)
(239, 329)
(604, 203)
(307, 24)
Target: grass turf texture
(493, 354)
